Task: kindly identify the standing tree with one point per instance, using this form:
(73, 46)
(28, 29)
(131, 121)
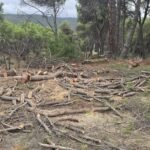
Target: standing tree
(53, 8)
(139, 45)
(112, 27)
(1, 11)
(127, 45)
(92, 24)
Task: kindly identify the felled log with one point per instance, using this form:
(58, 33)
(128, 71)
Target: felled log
(43, 124)
(68, 111)
(70, 127)
(44, 77)
(11, 72)
(103, 91)
(8, 98)
(17, 99)
(145, 72)
(92, 61)
(75, 120)
(55, 146)
(109, 106)
(141, 83)
(16, 128)
(26, 77)
(56, 103)
(129, 94)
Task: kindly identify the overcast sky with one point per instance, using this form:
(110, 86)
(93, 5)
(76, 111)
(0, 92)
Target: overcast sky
(13, 7)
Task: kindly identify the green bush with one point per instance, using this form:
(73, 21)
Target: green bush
(28, 40)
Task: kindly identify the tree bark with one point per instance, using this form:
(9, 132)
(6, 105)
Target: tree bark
(118, 25)
(55, 20)
(112, 28)
(123, 23)
(127, 45)
(139, 46)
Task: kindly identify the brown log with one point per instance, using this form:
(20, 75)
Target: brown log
(56, 103)
(43, 124)
(129, 94)
(109, 106)
(11, 72)
(103, 91)
(55, 146)
(92, 61)
(68, 119)
(9, 98)
(70, 127)
(26, 77)
(68, 112)
(15, 129)
(44, 77)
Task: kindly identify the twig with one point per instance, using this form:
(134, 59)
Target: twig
(110, 106)
(16, 109)
(55, 146)
(15, 129)
(43, 124)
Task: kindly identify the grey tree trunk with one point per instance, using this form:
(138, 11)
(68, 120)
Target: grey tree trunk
(55, 20)
(127, 45)
(118, 42)
(112, 28)
(139, 46)
(123, 23)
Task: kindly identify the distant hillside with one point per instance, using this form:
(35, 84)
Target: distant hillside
(38, 19)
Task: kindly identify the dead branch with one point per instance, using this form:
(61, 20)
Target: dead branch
(68, 119)
(16, 109)
(70, 127)
(10, 98)
(55, 146)
(68, 112)
(129, 94)
(15, 129)
(109, 106)
(26, 77)
(43, 124)
(97, 141)
(56, 103)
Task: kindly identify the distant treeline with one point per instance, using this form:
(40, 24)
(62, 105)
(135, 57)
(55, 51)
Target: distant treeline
(16, 18)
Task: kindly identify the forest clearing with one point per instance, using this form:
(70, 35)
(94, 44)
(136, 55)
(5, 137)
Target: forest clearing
(74, 75)
(76, 106)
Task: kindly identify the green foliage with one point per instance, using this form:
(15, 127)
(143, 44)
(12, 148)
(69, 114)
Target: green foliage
(128, 129)
(28, 40)
(38, 19)
(24, 38)
(1, 11)
(65, 28)
(66, 44)
(91, 22)
(146, 32)
(49, 3)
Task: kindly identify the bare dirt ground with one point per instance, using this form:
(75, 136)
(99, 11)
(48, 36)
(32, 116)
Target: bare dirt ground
(101, 106)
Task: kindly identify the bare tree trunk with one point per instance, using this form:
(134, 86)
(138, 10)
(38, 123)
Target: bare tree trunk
(118, 25)
(55, 20)
(127, 45)
(139, 46)
(123, 23)
(112, 28)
